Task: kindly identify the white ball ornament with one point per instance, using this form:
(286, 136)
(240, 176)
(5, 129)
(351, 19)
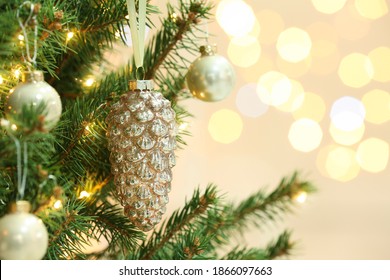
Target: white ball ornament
(210, 77)
(23, 236)
(34, 91)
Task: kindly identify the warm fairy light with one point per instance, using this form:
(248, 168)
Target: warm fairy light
(89, 82)
(347, 113)
(274, 88)
(380, 59)
(57, 204)
(372, 9)
(69, 36)
(183, 126)
(1, 79)
(339, 163)
(14, 127)
(249, 103)
(356, 70)
(294, 44)
(305, 135)
(377, 105)
(225, 126)
(347, 138)
(244, 51)
(84, 194)
(373, 155)
(173, 17)
(21, 37)
(17, 73)
(4, 123)
(235, 17)
(328, 6)
(300, 197)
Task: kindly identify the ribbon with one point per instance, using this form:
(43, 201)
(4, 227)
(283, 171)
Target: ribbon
(137, 31)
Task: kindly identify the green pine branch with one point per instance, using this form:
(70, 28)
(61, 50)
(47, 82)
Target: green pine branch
(179, 221)
(279, 248)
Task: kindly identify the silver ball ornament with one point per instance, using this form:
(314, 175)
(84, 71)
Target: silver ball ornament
(34, 91)
(23, 236)
(210, 77)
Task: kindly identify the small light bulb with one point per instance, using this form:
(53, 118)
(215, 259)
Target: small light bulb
(14, 127)
(4, 123)
(89, 82)
(183, 126)
(1, 80)
(84, 194)
(174, 17)
(17, 73)
(21, 37)
(69, 36)
(300, 197)
(57, 204)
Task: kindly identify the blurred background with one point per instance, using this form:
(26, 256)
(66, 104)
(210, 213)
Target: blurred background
(311, 95)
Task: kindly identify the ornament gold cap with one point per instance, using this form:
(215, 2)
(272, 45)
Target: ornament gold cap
(21, 206)
(33, 76)
(208, 49)
(141, 85)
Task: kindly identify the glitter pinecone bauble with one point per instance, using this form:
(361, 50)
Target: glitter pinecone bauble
(141, 139)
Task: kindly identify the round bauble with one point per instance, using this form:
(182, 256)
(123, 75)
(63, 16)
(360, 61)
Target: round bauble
(35, 91)
(23, 236)
(210, 77)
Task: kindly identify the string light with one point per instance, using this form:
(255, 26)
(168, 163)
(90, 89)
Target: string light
(89, 82)
(17, 73)
(84, 194)
(300, 197)
(14, 127)
(1, 80)
(174, 17)
(69, 36)
(57, 204)
(183, 126)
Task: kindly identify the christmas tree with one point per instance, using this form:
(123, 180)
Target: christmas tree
(86, 163)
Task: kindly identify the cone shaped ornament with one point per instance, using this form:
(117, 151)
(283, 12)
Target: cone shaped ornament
(210, 77)
(32, 92)
(141, 139)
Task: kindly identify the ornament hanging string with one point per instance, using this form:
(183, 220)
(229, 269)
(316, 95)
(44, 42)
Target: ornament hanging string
(30, 21)
(21, 173)
(138, 33)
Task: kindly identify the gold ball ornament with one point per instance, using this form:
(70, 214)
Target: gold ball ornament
(23, 236)
(35, 91)
(210, 77)
(142, 138)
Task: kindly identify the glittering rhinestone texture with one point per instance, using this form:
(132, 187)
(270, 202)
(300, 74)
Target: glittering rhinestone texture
(141, 139)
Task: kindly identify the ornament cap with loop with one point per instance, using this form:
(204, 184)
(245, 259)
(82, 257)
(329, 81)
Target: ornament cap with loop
(141, 85)
(33, 76)
(21, 206)
(208, 49)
